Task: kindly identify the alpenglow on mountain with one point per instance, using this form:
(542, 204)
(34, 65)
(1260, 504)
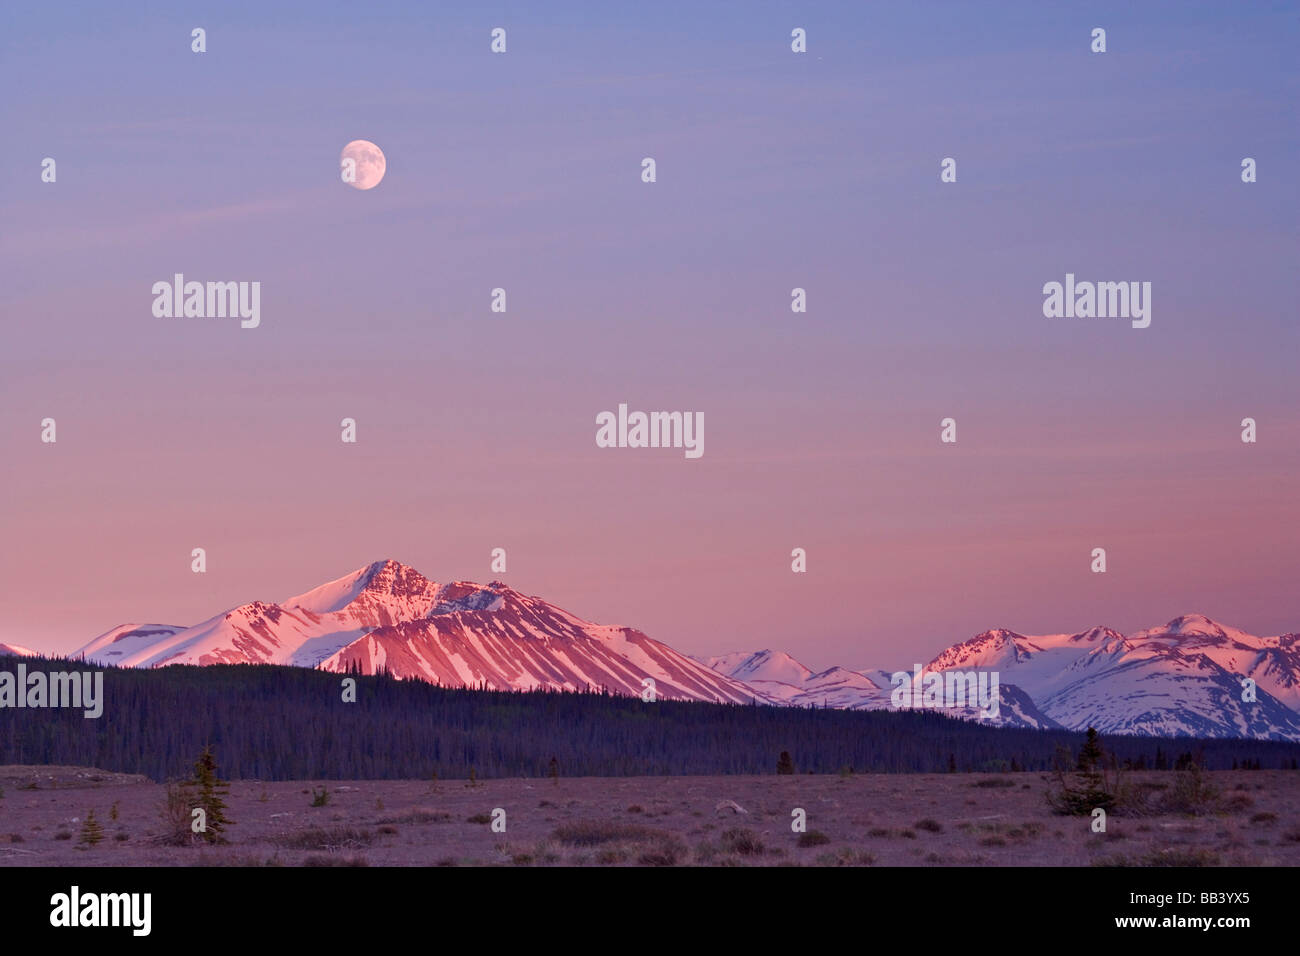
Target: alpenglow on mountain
(390, 617)
(1181, 679)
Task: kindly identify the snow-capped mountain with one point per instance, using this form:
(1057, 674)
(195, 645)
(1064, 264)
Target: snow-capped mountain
(125, 643)
(389, 616)
(14, 650)
(783, 679)
(1182, 679)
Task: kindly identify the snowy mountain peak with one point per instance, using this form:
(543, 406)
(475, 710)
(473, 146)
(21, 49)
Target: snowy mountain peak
(1182, 678)
(380, 593)
(394, 578)
(1096, 634)
(388, 616)
(1195, 624)
(761, 665)
(468, 596)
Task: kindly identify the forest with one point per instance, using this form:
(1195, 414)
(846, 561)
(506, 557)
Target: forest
(286, 723)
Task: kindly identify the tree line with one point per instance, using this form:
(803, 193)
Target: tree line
(286, 723)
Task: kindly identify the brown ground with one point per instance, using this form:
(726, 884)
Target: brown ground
(899, 820)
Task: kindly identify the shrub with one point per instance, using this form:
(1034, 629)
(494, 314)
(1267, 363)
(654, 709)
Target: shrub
(846, 857)
(1169, 856)
(742, 841)
(333, 860)
(813, 838)
(1238, 802)
(1191, 793)
(324, 838)
(600, 832)
(176, 816)
(666, 852)
(418, 815)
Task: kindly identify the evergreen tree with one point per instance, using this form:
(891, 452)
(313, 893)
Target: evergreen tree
(210, 789)
(784, 763)
(91, 831)
(1090, 754)
(1096, 784)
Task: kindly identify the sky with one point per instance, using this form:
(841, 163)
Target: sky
(775, 170)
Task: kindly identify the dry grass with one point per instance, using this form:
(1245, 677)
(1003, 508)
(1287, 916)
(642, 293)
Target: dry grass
(325, 838)
(674, 821)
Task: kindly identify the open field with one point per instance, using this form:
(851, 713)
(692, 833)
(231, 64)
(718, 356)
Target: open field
(882, 820)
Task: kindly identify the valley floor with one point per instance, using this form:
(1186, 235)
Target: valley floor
(881, 820)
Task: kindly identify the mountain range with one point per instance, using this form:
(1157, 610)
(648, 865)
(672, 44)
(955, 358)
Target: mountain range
(1184, 678)
(1180, 679)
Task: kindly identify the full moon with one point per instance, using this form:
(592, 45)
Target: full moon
(367, 166)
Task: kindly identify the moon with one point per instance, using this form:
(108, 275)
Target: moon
(369, 160)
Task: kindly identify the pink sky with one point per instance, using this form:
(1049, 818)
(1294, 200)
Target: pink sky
(477, 430)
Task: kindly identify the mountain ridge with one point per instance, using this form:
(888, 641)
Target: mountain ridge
(1181, 678)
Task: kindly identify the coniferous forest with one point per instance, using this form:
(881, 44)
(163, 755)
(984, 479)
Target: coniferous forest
(280, 723)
